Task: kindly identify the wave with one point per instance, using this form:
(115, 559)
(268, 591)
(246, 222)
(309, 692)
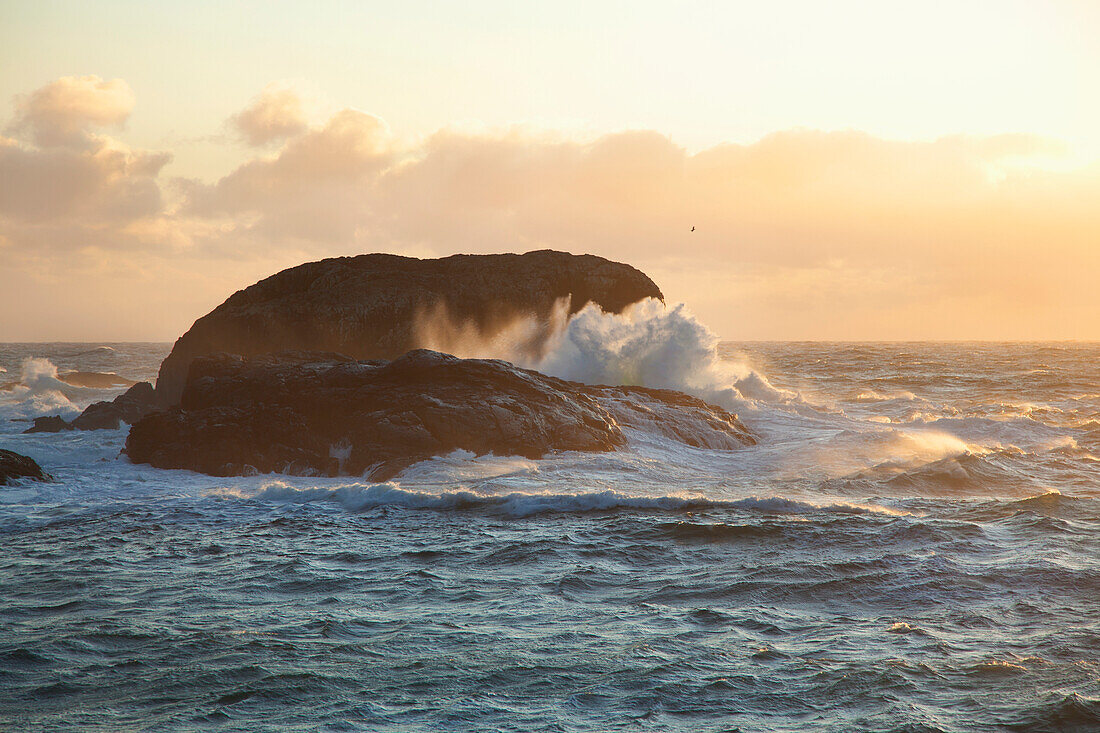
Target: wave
(1059, 713)
(96, 350)
(1052, 505)
(870, 437)
(39, 392)
(649, 344)
(95, 380)
(363, 497)
(664, 346)
(655, 345)
(871, 396)
(42, 389)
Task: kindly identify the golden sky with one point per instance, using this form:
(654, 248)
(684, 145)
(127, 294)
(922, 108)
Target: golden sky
(854, 170)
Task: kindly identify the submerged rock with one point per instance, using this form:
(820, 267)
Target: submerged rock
(16, 466)
(371, 306)
(303, 413)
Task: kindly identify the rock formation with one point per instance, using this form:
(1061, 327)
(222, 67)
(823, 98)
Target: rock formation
(51, 424)
(16, 466)
(368, 306)
(303, 413)
(129, 407)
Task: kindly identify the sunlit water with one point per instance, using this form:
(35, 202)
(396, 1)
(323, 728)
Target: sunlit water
(914, 545)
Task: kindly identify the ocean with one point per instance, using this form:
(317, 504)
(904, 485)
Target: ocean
(913, 545)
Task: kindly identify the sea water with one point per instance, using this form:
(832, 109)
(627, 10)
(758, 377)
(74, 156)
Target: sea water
(913, 545)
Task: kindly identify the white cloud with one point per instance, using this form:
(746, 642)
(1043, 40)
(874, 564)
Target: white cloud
(62, 113)
(274, 115)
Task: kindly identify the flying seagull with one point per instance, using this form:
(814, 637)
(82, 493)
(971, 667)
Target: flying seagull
(693, 229)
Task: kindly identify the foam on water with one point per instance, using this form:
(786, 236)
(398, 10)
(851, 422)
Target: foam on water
(39, 392)
(648, 344)
(651, 344)
(361, 497)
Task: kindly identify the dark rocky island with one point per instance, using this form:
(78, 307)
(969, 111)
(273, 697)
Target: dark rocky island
(323, 413)
(368, 306)
(15, 466)
(319, 369)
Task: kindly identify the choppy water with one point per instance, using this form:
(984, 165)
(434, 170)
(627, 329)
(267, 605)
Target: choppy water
(913, 546)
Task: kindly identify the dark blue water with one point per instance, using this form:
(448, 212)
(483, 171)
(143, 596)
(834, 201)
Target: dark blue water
(914, 546)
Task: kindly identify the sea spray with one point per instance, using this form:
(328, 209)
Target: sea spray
(651, 344)
(648, 344)
(39, 392)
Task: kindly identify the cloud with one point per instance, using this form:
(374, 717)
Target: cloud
(62, 113)
(108, 183)
(315, 189)
(65, 189)
(801, 234)
(274, 115)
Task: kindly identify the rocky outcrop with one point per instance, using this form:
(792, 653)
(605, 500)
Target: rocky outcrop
(51, 424)
(368, 306)
(15, 466)
(306, 413)
(129, 407)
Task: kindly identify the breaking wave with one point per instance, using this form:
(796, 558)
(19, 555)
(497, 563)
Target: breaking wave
(39, 392)
(363, 497)
(649, 344)
(42, 389)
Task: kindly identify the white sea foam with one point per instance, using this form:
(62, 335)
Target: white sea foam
(657, 345)
(363, 497)
(649, 344)
(800, 442)
(39, 392)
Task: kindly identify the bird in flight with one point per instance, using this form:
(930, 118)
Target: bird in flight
(693, 229)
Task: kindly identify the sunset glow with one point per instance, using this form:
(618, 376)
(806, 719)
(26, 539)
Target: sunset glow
(855, 172)
(585, 365)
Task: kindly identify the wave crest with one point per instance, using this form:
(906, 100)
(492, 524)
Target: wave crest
(364, 497)
(39, 391)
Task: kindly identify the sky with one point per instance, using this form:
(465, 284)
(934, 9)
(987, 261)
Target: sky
(853, 170)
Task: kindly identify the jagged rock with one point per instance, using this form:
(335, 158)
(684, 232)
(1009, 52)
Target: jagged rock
(368, 306)
(16, 466)
(129, 407)
(326, 413)
(52, 424)
(674, 415)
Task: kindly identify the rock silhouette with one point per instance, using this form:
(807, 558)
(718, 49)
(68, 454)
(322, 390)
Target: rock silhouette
(129, 407)
(15, 466)
(324, 413)
(367, 306)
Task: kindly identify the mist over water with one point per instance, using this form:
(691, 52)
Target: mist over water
(910, 546)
